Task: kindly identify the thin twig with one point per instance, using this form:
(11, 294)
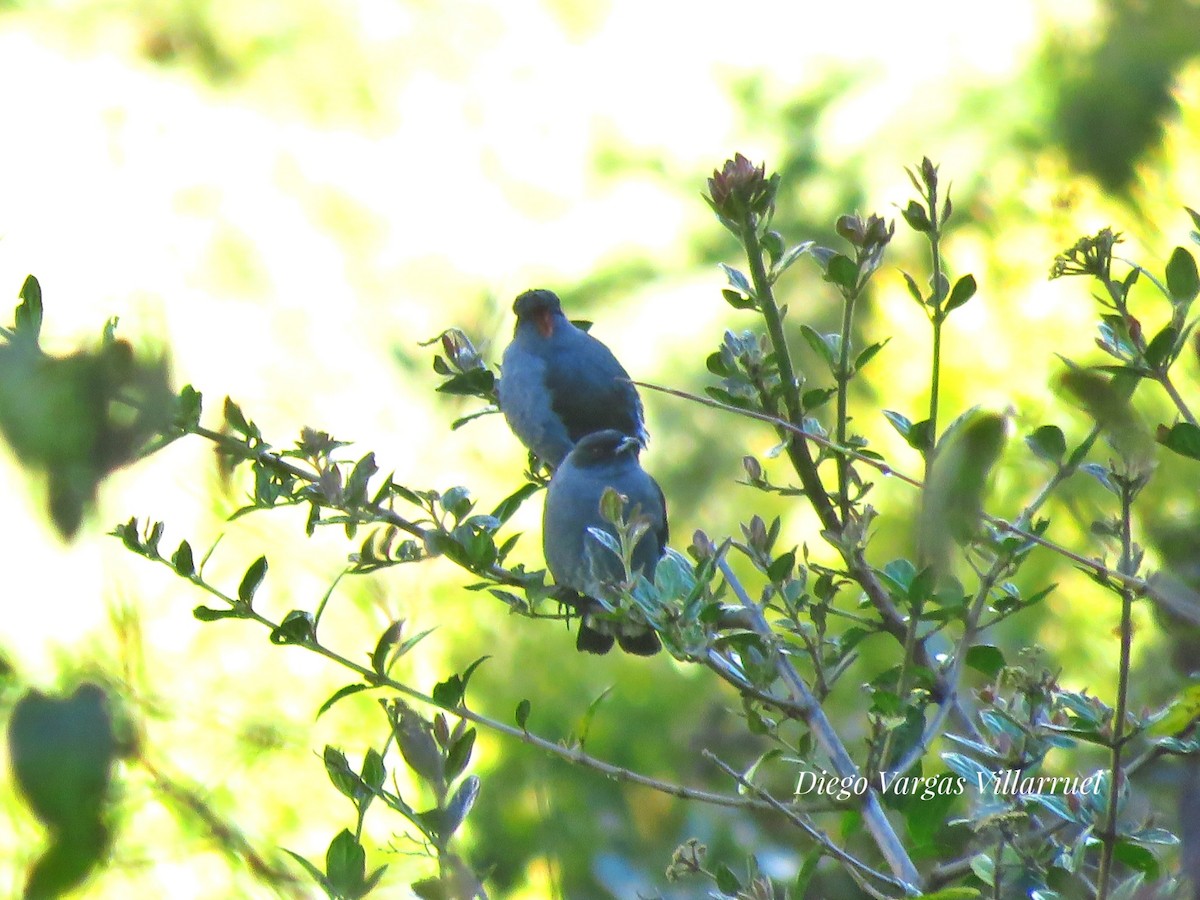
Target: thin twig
(802, 822)
(827, 738)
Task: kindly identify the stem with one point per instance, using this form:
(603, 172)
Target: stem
(1169, 386)
(570, 754)
(849, 299)
(806, 826)
(827, 738)
(1109, 836)
(797, 451)
(937, 318)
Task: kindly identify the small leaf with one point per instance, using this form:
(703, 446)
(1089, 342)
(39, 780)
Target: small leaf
(585, 724)
(842, 271)
(252, 580)
(916, 217)
(449, 693)
(523, 710)
(736, 299)
(1182, 279)
(208, 614)
(867, 355)
(727, 882)
(340, 694)
(1183, 711)
(821, 344)
(28, 317)
(1182, 437)
(737, 280)
(782, 567)
(986, 659)
(1048, 443)
(345, 864)
(913, 290)
(964, 290)
(418, 747)
(1160, 349)
(899, 422)
(296, 628)
(460, 804)
(460, 754)
(387, 640)
(182, 560)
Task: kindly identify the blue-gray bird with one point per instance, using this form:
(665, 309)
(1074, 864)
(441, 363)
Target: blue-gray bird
(558, 383)
(579, 562)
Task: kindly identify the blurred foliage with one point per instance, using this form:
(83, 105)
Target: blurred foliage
(1114, 94)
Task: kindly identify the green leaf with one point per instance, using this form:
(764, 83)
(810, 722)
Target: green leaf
(1108, 403)
(964, 290)
(356, 484)
(900, 422)
(986, 659)
(952, 501)
(1159, 351)
(523, 710)
(296, 628)
(28, 317)
(918, 436)
(1182, 279)
(1048, 443)
(782, 566)
(182, 560)
(1136, 857)
(867, 355)
(737, 280)
(387, 640)
(585, 723)
(816, 398)
(1183, 711)
(313, 870)
(341, 776)
(236, 420)
(916, 217)
(789, 257)
(460, 754)
(449, 693)
(208, 614)
(460, 805)
(418, 747)
(736, 299)
(505, 508)
(374, 772)
(727, 882)
(252, 580)
(821, 344)
(472, 383)
(842, 271)
(340, 694)
(345, 864)
(913, 290)
(61, 752)
(1182, 437)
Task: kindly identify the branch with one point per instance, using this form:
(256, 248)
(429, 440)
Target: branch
(827, 738)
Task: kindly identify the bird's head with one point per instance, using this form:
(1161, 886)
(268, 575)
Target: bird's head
(541, 307)
(603, 447)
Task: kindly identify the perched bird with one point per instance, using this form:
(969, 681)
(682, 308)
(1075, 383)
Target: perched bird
(578, 561)
(558, 383)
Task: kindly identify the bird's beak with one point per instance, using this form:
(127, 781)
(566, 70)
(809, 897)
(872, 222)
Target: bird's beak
(629, 445)
(545, 322)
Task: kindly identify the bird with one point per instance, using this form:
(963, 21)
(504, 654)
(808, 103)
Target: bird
(582, 566)
(558, 383)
